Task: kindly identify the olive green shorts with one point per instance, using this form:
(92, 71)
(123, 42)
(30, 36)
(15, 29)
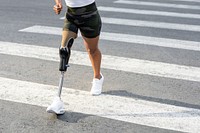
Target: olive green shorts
(86, 19)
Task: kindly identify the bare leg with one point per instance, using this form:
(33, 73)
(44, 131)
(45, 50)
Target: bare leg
(94, 53)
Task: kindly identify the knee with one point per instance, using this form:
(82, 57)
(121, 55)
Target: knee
(92, 51)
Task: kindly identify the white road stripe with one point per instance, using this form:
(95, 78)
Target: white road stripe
(151, 24)
(149, 12)
(154, 41)
(186, 0)
(158, 4)
(118, 108)
(109, 62)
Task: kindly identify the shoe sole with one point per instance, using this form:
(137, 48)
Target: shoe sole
(54, 112)
(96, 94)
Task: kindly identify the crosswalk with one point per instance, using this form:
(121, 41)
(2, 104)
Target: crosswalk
(114, 107)
(127, 109)
(154, 41)
(110, 62)
(157, 4)
(150, 24)
(148, 12)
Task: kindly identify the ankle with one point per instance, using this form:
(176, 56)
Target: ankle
(98, 76)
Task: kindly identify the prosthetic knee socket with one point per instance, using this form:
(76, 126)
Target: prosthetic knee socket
(65, 55)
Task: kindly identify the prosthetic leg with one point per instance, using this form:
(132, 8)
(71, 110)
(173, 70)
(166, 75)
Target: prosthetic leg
(68, 37)
(64, 59)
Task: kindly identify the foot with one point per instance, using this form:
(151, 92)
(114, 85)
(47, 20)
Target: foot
(56, 107)
(97, 86)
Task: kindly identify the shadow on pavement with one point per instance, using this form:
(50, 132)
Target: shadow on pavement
(125, 93)
(71, 117)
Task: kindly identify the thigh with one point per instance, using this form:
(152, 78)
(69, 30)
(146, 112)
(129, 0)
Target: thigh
(91, 27)
(91, 44)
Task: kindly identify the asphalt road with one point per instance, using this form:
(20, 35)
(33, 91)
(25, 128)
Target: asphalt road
(20, 14)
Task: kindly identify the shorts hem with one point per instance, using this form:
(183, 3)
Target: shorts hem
(90, 36)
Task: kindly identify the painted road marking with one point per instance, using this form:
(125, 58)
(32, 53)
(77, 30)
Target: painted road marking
(150, 24)
(186, 0)
(149, 12)
(108, 106)
(158, 4)
(134, 39)
(109, 62)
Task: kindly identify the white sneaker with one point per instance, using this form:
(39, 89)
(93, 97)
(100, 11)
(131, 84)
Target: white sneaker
(97, 86)
(56, 107)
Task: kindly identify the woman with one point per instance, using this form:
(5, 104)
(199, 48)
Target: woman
(82, 15)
